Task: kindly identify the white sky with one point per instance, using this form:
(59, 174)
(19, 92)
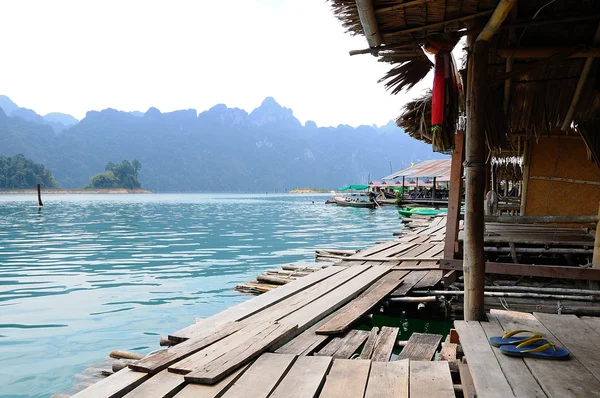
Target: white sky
(72, 56)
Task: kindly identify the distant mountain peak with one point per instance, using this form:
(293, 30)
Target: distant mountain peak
(270, 111)
(7, 104)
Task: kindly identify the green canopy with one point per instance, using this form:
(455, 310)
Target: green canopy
(354, 187)
(398, 188)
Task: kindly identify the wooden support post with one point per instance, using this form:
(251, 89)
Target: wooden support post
(454, 198)
(596, 257)
(474, 256)
(433, 190)
(39, 189)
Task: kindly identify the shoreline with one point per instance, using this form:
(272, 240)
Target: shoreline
(117, 191)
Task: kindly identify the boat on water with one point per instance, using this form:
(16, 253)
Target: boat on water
(357, 198)
(421, 211)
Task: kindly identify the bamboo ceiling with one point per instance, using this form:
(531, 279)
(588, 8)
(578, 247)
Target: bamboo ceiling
(542, 83)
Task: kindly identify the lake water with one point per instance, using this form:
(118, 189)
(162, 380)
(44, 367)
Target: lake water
(92, 273)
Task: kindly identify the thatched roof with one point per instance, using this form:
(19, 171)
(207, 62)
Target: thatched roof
(546, 41)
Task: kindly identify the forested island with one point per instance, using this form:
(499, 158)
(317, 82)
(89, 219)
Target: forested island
(18, 172)
(120, 175)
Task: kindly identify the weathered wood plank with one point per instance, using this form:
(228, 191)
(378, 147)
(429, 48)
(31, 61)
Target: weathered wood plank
(377, 248)
(388, 380)
(262, 377)
(347, 378)
(116, 385)
(488, 378)
(357, 308)
(217, 369)
(259, 303)
(162, 359)
(215, 391)
(576, 336)
(421, 347)
(430, 379)
(515, 371)
(160, 385)
(344, 346)
(571, 379)
(369, 344)
(385, 344)
(466, 381)
(336, 298)
(408, 282)
(220, 348)
(351, 344)
(432, 278)
(304, 379)
(306, 342)
(395, 250)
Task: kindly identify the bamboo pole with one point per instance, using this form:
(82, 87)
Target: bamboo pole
(525, 183)
(572, 181)
(535, 289)
(438, 24)
(500, 13)
(366, 13)
(596, 257)
(580, 85)
(545, 52)
(474, 256)
(401, 6)
(543, 219)
(509, 294)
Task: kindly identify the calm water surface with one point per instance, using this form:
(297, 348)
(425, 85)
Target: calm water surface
(93, 273)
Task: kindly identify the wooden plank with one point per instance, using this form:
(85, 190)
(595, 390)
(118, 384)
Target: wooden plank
(336, 298)
(347, 378)
(369, 344)
(304, 379)
(454, 196)
(259, 303)
(408, 282)
(219, 368)
(421, 347)
(162, 359)
(307, 342)
(576, 336)
(395, 250)
(430, 379)
(466, 381)
(592, 322)
(388, 380)
(488, 378)
(377, 248)
(351, 344)
(308, 296)
(546, 271)
(262, 376)
(515, 371)
(431, 279)
(115, 385)
(160, 385)
(215, 391)
(570, 379)
(357, 308)
(385, 344)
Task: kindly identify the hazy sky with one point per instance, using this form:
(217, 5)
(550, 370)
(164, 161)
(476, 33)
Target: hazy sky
(73, 56)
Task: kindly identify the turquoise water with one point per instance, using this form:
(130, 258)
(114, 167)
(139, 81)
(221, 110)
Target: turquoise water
(92, 273)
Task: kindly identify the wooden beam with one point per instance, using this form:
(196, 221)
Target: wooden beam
(547, 52)
(542, 219)
(500, 13)
(596, 256)
(544, 271)
(474, 272)
(400, 6)
(525, 184)
(565, 180)
(549, 21)
(580, 85)
(454, 198)
(438, 24)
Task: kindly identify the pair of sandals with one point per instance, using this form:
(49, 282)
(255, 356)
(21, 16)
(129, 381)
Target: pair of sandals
(531, 346)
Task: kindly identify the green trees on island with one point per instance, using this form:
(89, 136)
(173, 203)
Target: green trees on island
(120, 175)
(18, 172)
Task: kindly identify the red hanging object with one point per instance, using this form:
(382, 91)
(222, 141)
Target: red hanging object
(438, 94)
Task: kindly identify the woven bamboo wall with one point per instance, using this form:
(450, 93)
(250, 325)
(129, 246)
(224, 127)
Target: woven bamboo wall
(562, 157)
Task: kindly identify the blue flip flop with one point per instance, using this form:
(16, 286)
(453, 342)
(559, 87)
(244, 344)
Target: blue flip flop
(536, 348)
(509, 338)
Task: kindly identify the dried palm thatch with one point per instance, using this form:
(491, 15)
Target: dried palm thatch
(416, 118)
(407, 74)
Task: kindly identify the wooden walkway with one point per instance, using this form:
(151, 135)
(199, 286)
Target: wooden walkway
(298, 340)
(489, 373)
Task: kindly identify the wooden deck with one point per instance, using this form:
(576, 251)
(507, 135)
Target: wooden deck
(492, 374)
(298, 340)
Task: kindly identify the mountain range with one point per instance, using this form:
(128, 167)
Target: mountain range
(221, 149)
